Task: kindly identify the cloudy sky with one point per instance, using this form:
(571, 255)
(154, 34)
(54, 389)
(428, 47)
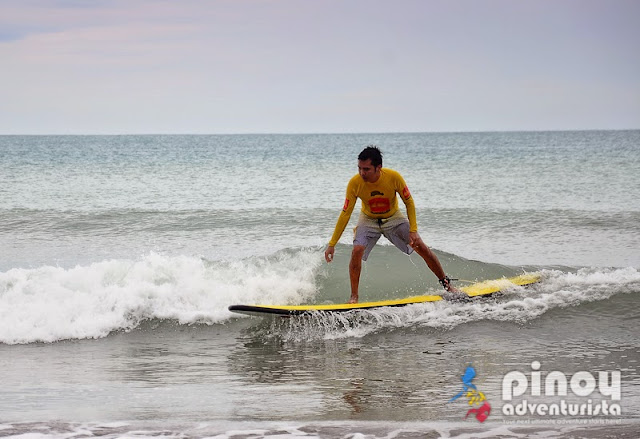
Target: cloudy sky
(317, 66)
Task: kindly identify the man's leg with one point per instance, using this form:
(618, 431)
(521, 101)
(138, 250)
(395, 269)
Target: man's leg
(430, 258)
(355, 266)
(401, 237)
(432, 261)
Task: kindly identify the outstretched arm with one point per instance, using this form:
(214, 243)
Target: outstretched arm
(343, 220)
(405, 194)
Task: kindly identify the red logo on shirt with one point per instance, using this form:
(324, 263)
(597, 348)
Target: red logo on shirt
(379, 205)
(346, 204)
(405, 193)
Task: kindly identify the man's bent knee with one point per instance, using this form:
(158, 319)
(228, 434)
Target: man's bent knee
(358, 252)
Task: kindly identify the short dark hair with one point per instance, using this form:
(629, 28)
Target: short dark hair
(372, 153)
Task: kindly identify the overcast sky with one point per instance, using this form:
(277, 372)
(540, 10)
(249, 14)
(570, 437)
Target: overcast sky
(317, 66)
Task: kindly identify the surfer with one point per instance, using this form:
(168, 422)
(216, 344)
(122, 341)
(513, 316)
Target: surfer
(377, 188)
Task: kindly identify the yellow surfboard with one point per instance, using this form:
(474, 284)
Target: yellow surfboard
(484, 288)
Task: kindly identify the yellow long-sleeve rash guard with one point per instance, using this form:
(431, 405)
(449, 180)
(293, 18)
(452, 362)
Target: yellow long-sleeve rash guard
(379, 200)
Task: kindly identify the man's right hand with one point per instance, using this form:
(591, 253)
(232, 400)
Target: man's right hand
(328, 253)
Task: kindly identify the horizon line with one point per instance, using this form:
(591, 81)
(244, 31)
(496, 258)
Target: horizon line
(324, 133)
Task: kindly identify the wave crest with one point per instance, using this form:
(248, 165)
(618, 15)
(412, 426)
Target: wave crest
(52, 303)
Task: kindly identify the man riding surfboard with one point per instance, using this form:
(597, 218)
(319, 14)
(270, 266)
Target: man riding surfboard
(378, 187)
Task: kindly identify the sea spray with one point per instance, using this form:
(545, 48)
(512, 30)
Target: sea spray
(517, 304)
(52, 303)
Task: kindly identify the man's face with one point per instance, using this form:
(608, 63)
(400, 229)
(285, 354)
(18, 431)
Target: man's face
(368, 172)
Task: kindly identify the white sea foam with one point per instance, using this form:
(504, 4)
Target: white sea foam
(518, 304)
(324, 429)
(52, 303)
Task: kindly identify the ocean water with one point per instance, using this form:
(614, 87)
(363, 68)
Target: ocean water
(119, 256)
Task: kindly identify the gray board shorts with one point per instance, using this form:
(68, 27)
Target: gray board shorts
(395, 229)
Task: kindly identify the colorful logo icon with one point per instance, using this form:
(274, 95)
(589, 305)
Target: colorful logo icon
(474, 396)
